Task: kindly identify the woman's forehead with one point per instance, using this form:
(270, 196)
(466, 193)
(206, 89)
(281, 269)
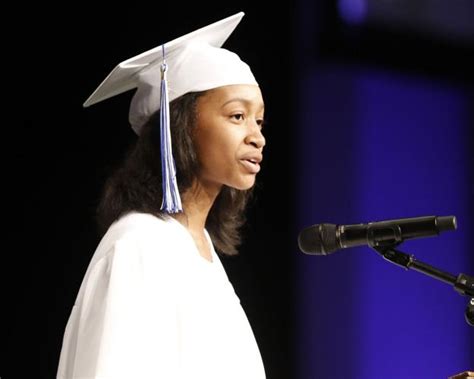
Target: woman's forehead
(248, 94)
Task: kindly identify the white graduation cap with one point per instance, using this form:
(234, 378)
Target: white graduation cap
(196, 62)
(191, 63)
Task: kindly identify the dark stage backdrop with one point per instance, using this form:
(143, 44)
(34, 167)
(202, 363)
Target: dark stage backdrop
(58, 154)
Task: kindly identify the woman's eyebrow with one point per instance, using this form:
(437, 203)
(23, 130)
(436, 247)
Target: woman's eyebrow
(242, 100)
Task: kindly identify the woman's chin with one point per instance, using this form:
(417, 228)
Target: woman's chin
(244, 185)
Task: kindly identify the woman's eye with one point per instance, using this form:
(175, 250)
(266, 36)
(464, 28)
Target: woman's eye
(238, 116)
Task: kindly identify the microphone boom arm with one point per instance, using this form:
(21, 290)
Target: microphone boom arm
(463, 284)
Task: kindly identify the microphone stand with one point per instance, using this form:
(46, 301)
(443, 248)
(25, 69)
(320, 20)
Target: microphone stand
(463, 284)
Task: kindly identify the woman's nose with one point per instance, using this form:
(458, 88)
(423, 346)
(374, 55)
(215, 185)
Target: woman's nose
(255, 137)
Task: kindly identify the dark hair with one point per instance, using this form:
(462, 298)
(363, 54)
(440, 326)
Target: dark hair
(136, 184)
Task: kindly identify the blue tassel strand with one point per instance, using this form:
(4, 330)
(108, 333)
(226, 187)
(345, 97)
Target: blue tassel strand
(171, 199)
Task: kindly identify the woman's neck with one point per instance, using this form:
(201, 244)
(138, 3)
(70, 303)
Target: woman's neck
(197, 202)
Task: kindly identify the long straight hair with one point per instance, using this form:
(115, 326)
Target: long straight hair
(136, 184)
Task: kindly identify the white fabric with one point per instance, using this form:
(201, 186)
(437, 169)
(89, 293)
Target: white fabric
(151, 307)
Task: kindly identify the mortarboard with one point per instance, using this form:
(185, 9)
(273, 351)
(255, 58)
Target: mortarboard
(191, 63)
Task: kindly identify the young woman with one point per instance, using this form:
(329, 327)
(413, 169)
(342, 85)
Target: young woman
(155, 301)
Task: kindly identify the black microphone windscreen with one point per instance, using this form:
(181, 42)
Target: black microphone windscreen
(318, 239)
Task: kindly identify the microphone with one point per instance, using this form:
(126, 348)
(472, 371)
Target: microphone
(324, 239)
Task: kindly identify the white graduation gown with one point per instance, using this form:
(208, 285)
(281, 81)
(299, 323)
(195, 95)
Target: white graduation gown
(151, 307)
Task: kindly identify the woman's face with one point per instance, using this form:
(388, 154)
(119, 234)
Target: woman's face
(228, 136)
